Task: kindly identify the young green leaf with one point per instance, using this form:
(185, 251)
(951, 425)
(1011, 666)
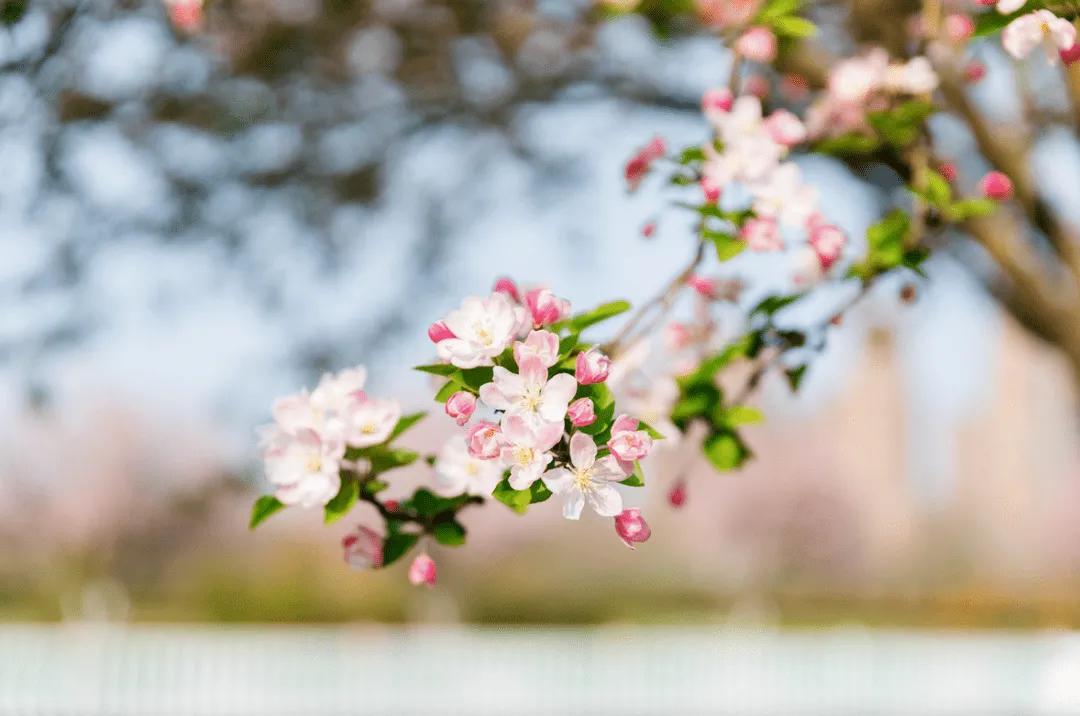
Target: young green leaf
(603, 312)
(406, 422)
(516, 500)
(263, 508)
(396, 545)
(449, 533)
(342, 502)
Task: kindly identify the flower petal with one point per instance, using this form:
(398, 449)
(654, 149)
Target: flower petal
(558, 393)
(558, 480)
(575, 501)
(605, 499)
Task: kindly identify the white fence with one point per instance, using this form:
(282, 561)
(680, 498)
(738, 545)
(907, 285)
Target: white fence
(270, 671)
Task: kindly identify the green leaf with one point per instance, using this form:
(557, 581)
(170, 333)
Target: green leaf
(653, 432)
(727, 246)
(427, 504)
(637, 477)
(774, 304)
(603, 405)
(775, 9)
(443, 369)
(384, 458)
(473, 378)
(988, 23)
(449, 533)
(795, 376)
(568, 344)
(404, 423)
(846, 145)
(971, 209)
(342, 502)
(263, 508)
(725, 450)
(516, 500)
(396, 545)
(538, 492)
(373, 487)
(794, 27)
(901, 125)
(691, 155)
(737, 415)
(448, 389)
(938, 192)
(603, 312)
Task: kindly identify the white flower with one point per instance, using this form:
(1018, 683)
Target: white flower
(588, 479)
(785, 196)
(337, 391)
(530, 393)
(526, 450)
(370, 422)
(916, 76)
(1008, 7)
(540, 344)
(853, 80)
(304, 466)
(1041, 27)
(457, 472)
(482, 328)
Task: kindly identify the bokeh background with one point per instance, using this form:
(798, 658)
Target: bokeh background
(194, 220)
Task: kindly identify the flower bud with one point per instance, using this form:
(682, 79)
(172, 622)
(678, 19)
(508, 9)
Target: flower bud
(648, 229)
(438, 331)
(785, 128)
(948, 171)
(828, 243)
(705, 287)
(484, 440)
(460, 406)
(507, 286)
(758, 44)
(592, 367)
(581, 413)
(958, 28)
(676, 496)
(711, 190)
(545, 307)
(1070, 54)
(762, 235)
(717, 101)
(627, 443)
(363, 548)
(631, 527)
(996, 186)
(422, 571)
(974, 71)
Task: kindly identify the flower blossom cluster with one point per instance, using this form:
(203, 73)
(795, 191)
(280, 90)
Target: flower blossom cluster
(538, 402)
(304, 448)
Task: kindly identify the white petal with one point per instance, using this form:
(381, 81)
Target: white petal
(492, 396)
(575, 501)
(605, 499)
(557, 395)
(558, 480)
(582, 451)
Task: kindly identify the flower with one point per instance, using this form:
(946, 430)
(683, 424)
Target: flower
(460, 406)
(853, 80)
(805, 267)
(363, 548)
(702, 285)
(337, 391)
(716, 101)
(545, 307)
(676, 496)
(484, 440)
(710, 190)
(482, 328)
(458, 472)
(948, 171)
(648, 229)
(542, 345)
(627, 443)
(758, 44)
(631, 527)
(304, 466)
(996, 186)
(974, 71)
(592, 366)
(370, 422)
(762, 235)
(1040, 27)
(641, 162)
(530, 393)
(1007, 7)
(586, 480)
(916, 76)
(438, 331)
(1071, 54)
(507, 286)
(422, 571)
(526, 448)
(827, 241)
(581, 413)
(785, 196)
(186, 15)
(959, 28)
(785, 128)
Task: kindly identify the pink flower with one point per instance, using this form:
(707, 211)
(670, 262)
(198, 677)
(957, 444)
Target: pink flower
(543, 345)
(648, 229)
(592, 366)
(676, 496)
(627, 443)
(705, 287)
(507, 286)
(762, 235)
(758, 44)
(186, 15)
(581, 413)
(711, 190)
(586, 479)
(948, 171)
(545, 307)
(484, 440)
(457, 472)
(828, 242)
(438, 331)
(422, 571)
(370, 421)
(526, 446)
(304, 466)
(632, 527)
(1040, 27)
(959, 28)
(974, 72)
(717, 101)
(785, 128)
(460, 406)
(482, 328)
(530, 393)
(641, 162)
(1071, 54)
(363, 548)
(996, 186)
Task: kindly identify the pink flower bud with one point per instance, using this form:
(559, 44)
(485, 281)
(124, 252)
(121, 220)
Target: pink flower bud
(974, 72)
(631, 527)
(711, 190)
(716, 101)
(460, 406)
(422, 571)
(1070, 54)
(676, 496)
(641, 162)
(758, 44)
(828, 242)
(785, 128)
(484, 440)
(545, 307)
(592, 367)
(948, 171)
(762, 235)
(996, 186)
(363, 548)
(581, 413)
(438, 331)
(186, 15)
(627, 443)
(648, 229)
(392, 505)
(507, 286)
(958, 28)
(705, 287)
